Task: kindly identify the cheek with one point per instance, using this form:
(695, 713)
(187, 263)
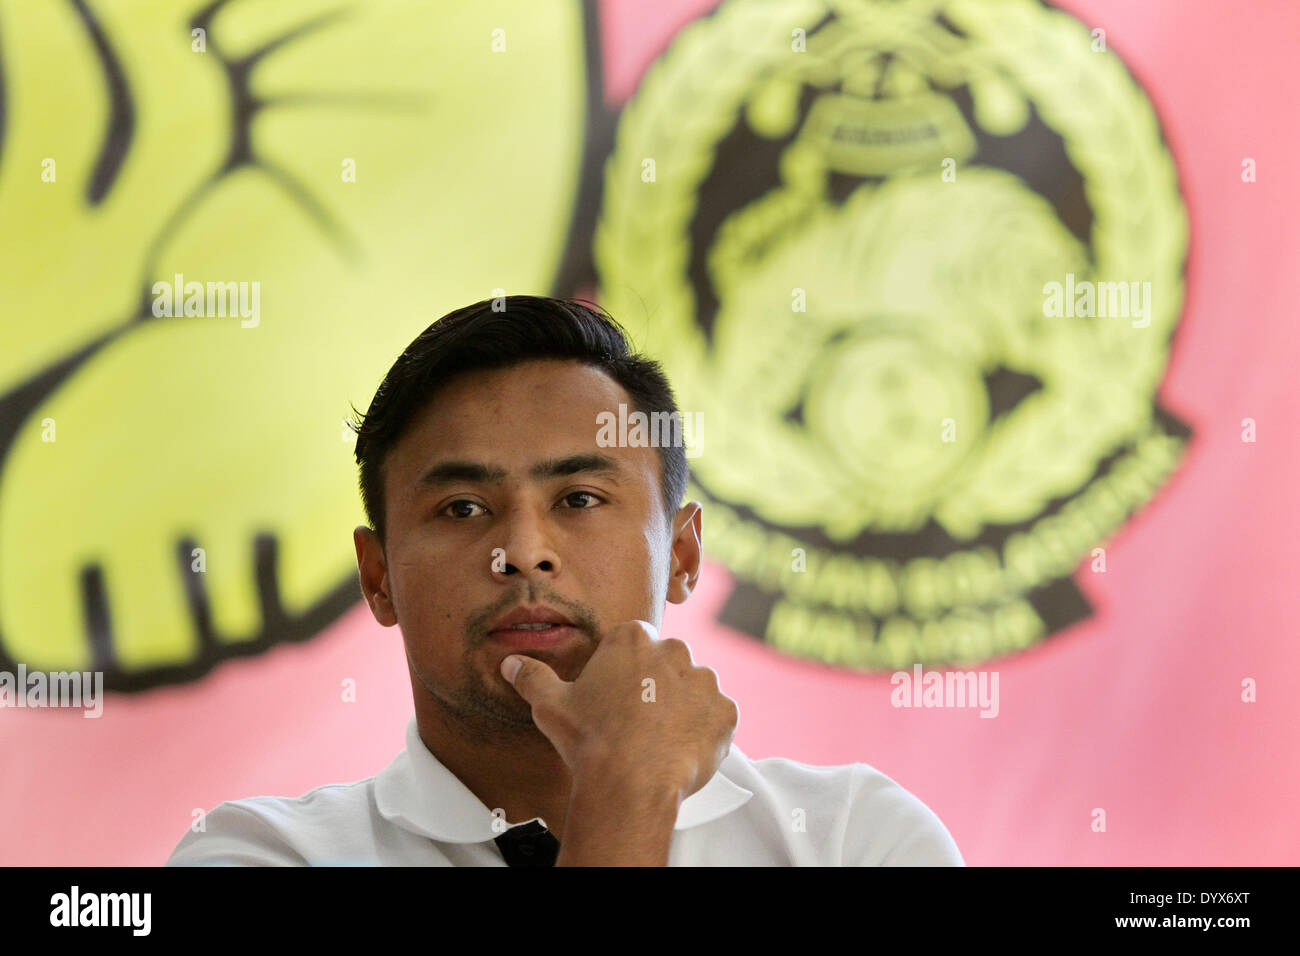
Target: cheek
(625, 577)
(428, 595)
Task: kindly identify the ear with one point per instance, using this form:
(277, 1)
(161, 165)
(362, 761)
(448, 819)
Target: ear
(373, 566)
(687, 552)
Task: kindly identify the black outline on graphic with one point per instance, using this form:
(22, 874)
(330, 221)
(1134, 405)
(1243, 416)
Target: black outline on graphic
(278, 626)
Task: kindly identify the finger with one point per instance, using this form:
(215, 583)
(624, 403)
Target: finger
(533, 680)
(626, 630)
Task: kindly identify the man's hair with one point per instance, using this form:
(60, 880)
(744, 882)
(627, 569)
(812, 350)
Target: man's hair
(476, 338)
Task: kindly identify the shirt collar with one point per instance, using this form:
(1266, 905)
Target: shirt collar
(419, 794)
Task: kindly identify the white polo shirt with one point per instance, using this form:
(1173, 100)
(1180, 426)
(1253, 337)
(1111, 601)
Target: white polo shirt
(416, 812)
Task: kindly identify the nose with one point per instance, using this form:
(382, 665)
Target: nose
(527, 546)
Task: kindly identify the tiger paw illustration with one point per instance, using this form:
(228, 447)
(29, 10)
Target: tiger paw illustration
(222, 221)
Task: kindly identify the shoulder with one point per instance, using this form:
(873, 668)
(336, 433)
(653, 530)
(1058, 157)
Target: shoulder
(276, 831)
(891, 826)
(883, 823)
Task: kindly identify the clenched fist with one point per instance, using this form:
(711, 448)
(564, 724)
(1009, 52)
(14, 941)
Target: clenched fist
(641, 720)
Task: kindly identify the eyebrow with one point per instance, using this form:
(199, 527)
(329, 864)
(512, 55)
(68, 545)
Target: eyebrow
(450, 472)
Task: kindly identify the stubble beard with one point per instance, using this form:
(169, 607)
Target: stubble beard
(476, 709)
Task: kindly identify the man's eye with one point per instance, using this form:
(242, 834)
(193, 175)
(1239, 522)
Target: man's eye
(582, 494)
(464, 502)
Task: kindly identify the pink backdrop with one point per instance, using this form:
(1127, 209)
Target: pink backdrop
(1136, 710)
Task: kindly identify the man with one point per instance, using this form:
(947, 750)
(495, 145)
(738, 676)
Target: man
(527, 560)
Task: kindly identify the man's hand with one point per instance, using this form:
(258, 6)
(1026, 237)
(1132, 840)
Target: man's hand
(641, 729)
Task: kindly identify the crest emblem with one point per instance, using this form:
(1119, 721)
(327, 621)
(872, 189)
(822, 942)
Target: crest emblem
(844, 253)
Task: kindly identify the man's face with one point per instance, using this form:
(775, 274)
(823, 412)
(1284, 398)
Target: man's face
(589, 543)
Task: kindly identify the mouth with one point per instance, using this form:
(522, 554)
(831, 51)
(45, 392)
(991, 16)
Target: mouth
(535, 626)
(534, 636)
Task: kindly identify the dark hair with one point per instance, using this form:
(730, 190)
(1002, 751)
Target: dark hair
(477, 338)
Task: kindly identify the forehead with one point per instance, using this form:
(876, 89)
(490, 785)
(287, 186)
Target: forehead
(516, 417)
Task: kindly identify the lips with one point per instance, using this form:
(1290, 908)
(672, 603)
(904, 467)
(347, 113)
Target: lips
(559, 630)
(535, 614)
(553, 636)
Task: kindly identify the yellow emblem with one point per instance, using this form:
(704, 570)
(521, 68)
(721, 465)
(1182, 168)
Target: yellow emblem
(846, 255)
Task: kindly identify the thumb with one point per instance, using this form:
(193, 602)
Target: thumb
(532, 679)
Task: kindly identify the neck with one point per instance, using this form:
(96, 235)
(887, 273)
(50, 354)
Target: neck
(510, 767)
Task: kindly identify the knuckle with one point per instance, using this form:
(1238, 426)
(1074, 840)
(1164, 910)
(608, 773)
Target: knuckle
(633, 631)
(676, 647)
